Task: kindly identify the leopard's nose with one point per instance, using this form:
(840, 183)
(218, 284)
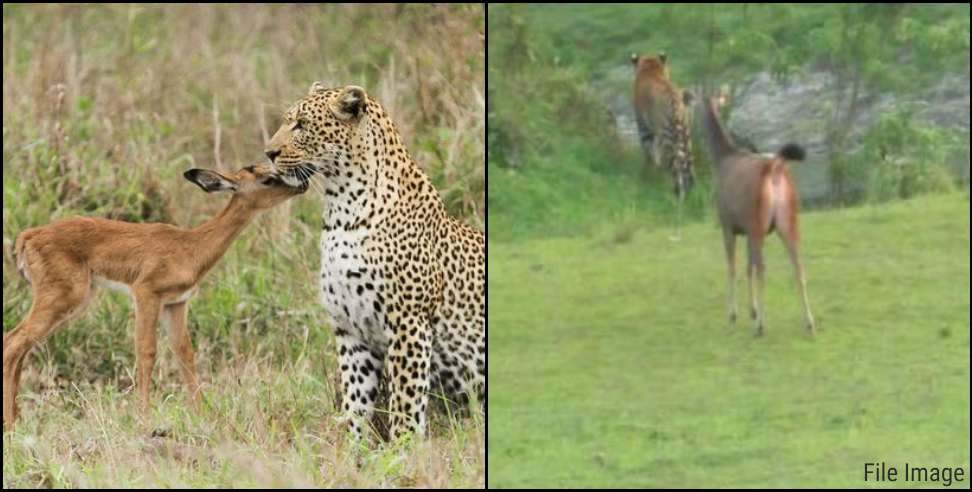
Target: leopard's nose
(272, 154)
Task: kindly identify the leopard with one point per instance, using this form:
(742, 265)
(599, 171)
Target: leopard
(664, 126)
(403, 283)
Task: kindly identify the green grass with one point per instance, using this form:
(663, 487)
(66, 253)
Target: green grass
(567, 198)
(612, 362)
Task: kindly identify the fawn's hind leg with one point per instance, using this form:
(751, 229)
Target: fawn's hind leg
(59, 295)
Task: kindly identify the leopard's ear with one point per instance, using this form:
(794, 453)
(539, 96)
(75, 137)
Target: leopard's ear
(350, 103)
(316, 88)
(663, 57)
(634, 58)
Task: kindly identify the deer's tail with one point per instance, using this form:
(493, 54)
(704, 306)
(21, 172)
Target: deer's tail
(792, 152)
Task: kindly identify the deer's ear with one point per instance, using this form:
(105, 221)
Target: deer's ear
(210, 181)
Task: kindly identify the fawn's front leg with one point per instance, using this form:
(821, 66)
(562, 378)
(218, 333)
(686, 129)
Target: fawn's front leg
(181, 344)
(147, 307)
(59, 294)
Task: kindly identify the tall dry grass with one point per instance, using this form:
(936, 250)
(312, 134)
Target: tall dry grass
(145, 91)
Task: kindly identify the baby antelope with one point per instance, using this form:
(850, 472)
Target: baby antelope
(159, 265)
(755, 195)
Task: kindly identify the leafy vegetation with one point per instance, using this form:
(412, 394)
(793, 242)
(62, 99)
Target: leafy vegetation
(556, 163)
(902, 159)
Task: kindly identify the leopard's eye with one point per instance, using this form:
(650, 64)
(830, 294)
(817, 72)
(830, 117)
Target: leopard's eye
(299, 124)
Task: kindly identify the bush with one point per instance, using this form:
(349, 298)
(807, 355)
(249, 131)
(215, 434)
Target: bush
(549, 141)
(557, 164)
(901, 158)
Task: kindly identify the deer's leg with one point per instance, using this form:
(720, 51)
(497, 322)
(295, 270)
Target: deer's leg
(10, 380)
(181, 344)
(729, 240)
(750, 271)
(789, 233)
(57, 297)
(14, 350)
(16, 378)
(15, 347)
(757, 281)
(146, 318)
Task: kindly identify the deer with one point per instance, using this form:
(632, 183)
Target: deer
(159, 265)
(755, 195)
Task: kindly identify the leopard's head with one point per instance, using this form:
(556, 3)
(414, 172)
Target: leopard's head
(321, 132)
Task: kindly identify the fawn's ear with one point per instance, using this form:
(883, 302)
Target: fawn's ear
(210, 181)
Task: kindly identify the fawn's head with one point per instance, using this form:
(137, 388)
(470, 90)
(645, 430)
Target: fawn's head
(259, 186)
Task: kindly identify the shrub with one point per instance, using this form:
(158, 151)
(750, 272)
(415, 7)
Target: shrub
(900, 158)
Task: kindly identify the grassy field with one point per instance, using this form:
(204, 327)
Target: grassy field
(612, 362)
(104, 108)
(262, 424)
